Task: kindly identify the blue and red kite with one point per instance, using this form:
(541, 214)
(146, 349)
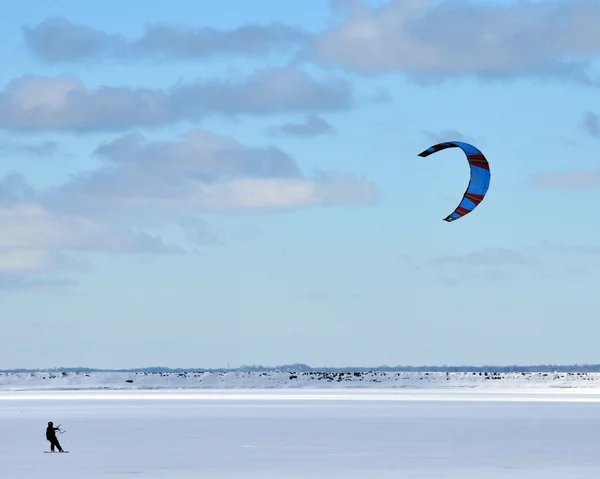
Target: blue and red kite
(480, 177)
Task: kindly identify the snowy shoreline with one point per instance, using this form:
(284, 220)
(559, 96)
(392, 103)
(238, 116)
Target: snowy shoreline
(55, 380)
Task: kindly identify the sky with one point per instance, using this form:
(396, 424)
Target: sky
(219, 184)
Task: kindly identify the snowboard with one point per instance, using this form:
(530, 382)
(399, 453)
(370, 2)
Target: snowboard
(55, 452)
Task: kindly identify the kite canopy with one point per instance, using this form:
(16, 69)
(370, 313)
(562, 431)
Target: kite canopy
(480, 177)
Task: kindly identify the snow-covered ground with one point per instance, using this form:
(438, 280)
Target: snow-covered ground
(338, 433)
(262, 380)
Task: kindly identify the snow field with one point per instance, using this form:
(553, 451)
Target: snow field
(307, 433)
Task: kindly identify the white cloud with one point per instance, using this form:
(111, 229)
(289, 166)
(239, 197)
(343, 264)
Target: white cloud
(147, 184)
(64, 102)
(312, 125)
(433, 39)
(202, 172)
(37, 239)
(57, 40)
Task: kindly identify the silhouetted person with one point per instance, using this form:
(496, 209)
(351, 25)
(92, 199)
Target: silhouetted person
(51, 436)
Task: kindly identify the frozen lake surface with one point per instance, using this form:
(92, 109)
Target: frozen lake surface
(466, 434)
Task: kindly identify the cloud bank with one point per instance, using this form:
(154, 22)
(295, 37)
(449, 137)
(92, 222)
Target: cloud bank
(424, 39)
(145, 184)
(37, 103)
(58, 40)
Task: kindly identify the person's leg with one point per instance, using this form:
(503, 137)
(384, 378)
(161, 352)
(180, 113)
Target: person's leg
(56, 444)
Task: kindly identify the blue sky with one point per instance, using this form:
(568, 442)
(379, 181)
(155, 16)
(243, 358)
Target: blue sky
(238, 183)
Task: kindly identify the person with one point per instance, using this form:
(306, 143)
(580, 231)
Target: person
(51, 436)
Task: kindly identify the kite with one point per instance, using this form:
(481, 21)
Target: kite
(480, 177)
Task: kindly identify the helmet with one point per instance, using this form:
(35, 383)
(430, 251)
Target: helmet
(50, 423)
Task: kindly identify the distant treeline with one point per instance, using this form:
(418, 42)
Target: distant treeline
(305, 368)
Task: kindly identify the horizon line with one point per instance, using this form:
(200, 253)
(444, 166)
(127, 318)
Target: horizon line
(300, 367)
